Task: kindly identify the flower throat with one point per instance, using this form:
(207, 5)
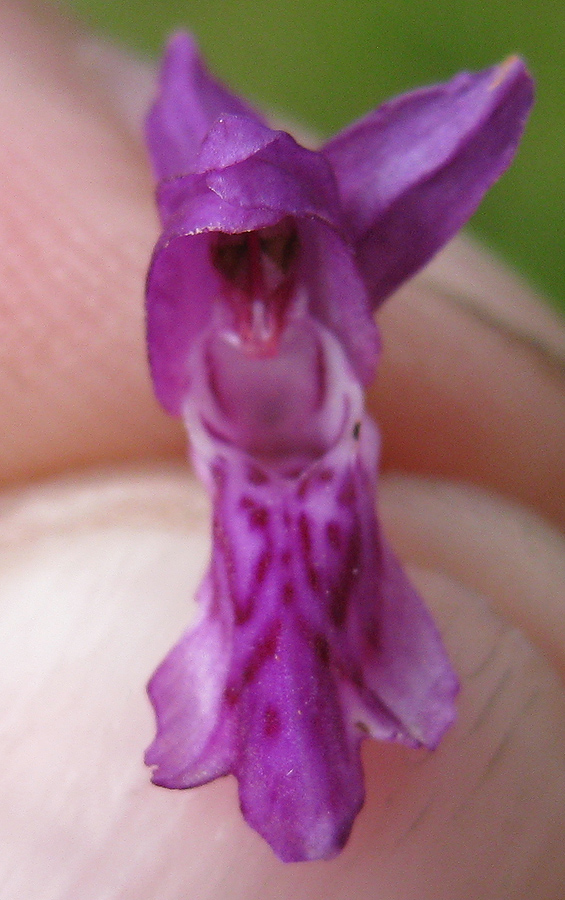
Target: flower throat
(258, 269)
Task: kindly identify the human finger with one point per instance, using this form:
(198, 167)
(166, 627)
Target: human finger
(472, 381)
(76, 229)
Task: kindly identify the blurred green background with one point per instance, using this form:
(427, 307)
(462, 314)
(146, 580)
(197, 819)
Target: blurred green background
(325, 62)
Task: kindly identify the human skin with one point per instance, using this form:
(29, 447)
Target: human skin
(104, 537)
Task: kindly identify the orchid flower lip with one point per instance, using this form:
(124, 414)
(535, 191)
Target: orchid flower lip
(261, 336)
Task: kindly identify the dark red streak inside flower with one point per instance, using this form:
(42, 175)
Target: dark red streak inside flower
(258, 275)
(333, 535)
(322, 649)
(272, 721)
(256, 476)
(288, 593)
(245, 608)
(263, 565)
(342, 588)
(265, 650)
(231, 695)
(307, 550)
(258, 515)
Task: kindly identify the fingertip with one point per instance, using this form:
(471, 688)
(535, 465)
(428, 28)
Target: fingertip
(76, 231)
(460, 395)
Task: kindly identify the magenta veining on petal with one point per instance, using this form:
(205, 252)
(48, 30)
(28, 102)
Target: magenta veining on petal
(260, 300)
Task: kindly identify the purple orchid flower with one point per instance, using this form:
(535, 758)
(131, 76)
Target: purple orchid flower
(261, 336)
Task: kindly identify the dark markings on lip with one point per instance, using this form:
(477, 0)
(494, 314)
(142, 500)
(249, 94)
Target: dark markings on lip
(333, 535)
(288, 593)
(312, 573)
(339, 598)
(272, 725)
(258, 514)
(264, 650)
(256, 476)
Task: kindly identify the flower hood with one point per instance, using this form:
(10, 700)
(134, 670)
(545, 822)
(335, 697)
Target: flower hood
(374, 204)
